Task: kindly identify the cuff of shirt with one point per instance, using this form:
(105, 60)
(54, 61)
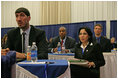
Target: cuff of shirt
(52, 51)
(69, 51)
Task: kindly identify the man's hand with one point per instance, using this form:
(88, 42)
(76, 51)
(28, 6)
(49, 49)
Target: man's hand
(66, 51)
(4, 51)
(55, 50)
(20, 55)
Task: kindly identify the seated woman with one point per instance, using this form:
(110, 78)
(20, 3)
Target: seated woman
(89, 51)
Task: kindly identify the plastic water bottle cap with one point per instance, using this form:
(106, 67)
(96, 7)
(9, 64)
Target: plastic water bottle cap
(34, 43)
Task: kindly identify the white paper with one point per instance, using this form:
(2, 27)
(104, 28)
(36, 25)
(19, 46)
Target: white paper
(31, 62)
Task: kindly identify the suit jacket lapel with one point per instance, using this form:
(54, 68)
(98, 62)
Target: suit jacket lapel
(101, 40)
(88, 49)
(31, 35)
(67, 42)
(18, 41)
(79, 52)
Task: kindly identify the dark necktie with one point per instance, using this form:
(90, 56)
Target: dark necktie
(23, 50)
(98, 40)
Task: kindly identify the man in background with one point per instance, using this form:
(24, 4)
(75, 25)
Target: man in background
(67, 41)
(113, 44)
(103, 41)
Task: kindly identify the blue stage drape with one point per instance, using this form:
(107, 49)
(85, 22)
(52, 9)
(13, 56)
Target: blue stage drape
(113, 29)
(72, 29)
(5, 30)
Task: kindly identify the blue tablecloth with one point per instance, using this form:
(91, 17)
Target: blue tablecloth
(6, 63)
(46, 70)
(67, 54)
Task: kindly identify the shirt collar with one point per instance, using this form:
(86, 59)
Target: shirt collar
(83, 46)
(27, 31)
(97, 37)
(63, 39)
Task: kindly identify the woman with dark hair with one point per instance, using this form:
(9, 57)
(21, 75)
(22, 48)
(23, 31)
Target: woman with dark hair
(89, 51)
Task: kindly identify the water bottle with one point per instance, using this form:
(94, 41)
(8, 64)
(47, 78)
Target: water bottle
(113, 51)
(29, 53)
(34, 52)
(63, 48)
(59, 47)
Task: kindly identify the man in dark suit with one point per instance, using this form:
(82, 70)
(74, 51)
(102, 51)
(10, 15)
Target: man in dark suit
(68, 42)
(32, 34)
(104, 42)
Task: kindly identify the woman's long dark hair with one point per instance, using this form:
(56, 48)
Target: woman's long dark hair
(88, 30)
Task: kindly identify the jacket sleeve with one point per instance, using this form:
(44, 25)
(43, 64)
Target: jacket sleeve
(42, 46)
(99, 61)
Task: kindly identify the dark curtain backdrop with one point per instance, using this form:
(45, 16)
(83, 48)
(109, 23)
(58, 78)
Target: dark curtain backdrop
(113, 29)
(72, 29)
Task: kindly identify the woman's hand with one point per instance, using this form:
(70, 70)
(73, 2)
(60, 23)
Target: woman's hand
(55, 49)
(91, 64)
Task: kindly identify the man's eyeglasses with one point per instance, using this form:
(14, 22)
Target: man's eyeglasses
(98, 28)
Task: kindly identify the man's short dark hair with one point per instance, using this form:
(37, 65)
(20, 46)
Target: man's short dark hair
(98, 25)
(62, 27)
(24, 10)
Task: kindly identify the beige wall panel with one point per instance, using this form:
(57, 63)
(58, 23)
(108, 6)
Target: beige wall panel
(105, 10)
(86, 11)
(114, 10)
(8, 13)
(53, 12)
(95, 10)
(109, 10)
(64, 12)
(58, 12)
(33, 7)
(99, 8)
(77, 11)
(91, 11)
(44, 12)
(109, 17)
(73, 10)
(80, 11)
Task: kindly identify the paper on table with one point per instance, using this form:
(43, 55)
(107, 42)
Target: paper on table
(32, 63)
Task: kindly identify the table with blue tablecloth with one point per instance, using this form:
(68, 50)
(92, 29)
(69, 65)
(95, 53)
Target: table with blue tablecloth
(43, 69)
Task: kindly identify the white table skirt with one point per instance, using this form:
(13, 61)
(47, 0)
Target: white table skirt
(23, 73)
(109, 70)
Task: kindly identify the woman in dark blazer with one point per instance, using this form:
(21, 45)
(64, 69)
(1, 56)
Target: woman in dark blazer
(89, 51)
